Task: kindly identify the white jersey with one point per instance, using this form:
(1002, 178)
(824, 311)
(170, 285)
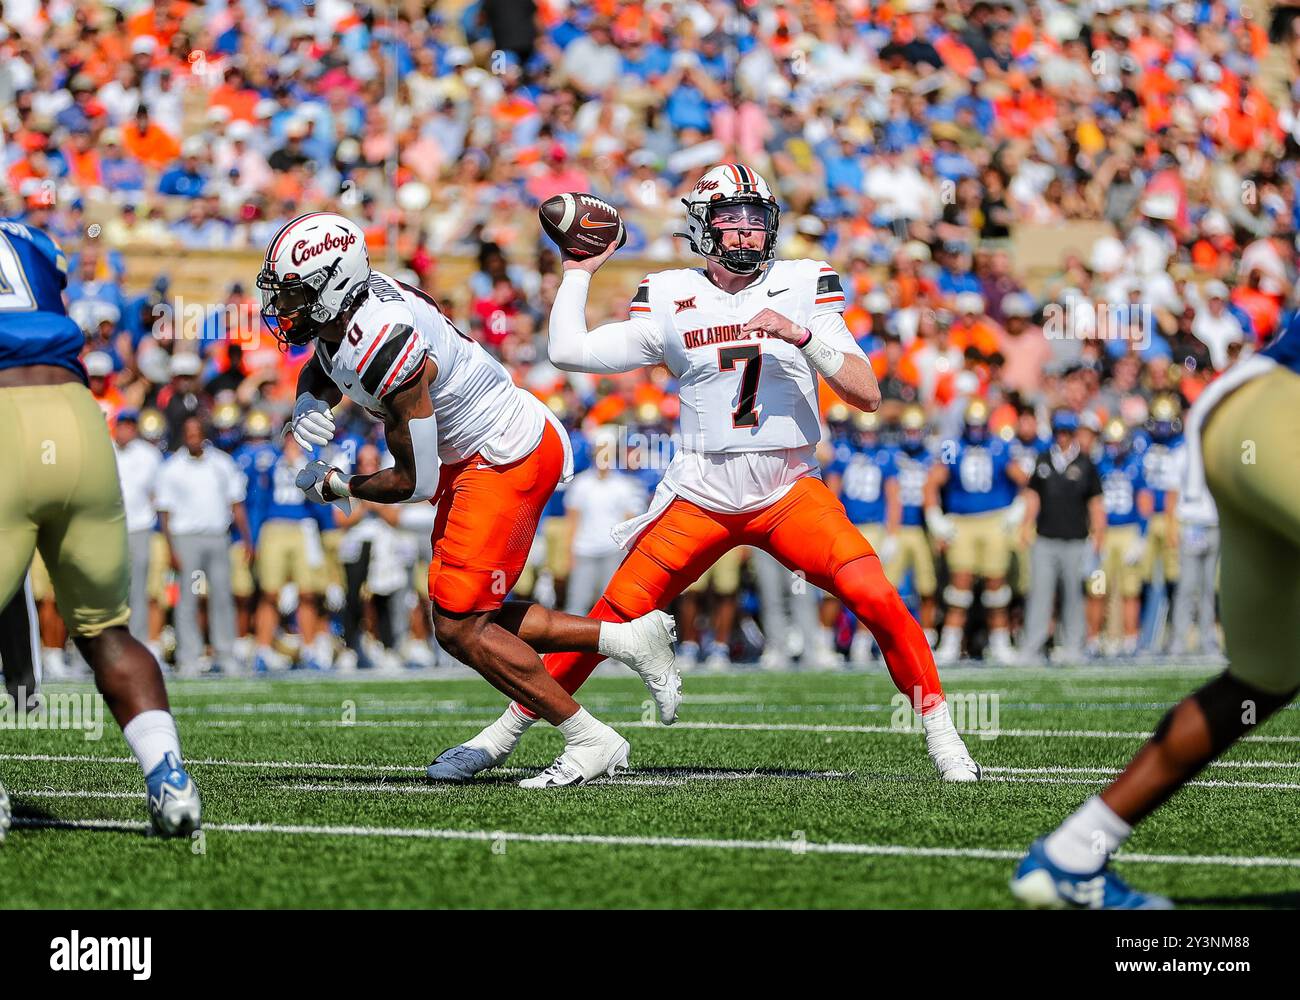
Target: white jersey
(478, 408)
(742, 392)
(750, 419)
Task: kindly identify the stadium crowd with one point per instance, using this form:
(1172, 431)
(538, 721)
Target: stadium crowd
(907, 142)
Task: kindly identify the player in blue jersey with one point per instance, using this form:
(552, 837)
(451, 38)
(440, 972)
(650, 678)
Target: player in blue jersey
(290, 553)
(1026, 444)
(913, 460)
(1156, 444)
(969, 511)
(865, 478)
(1128, 504)
(255, 456)
(60, 494)
(1244, 432)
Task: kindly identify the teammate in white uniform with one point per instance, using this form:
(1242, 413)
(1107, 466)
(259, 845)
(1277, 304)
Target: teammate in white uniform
(460, 432)
(746, 337)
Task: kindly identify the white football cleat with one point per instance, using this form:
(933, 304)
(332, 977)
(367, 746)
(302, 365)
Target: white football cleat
(6, 813)
(581, 762)
(957, 765)
(650, 654)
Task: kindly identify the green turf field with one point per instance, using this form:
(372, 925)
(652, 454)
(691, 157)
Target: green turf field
(775, 790)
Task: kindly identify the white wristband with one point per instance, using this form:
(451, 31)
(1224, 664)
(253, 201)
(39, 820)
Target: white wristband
(339, 484)
(826, 359)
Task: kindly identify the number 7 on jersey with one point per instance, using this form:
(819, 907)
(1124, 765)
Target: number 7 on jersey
(751, 355)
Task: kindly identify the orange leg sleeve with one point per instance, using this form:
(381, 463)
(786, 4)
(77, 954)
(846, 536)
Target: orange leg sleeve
(809, 532)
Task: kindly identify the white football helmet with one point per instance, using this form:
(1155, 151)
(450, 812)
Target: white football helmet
(730, 184)
(314, 269)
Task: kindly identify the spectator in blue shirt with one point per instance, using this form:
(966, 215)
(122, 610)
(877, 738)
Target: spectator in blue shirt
(186, 178)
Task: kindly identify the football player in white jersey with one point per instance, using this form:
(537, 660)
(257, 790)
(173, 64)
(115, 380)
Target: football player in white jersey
(461, 434)
(746, 336)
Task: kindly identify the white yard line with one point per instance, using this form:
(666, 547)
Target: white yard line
(756, 727)
(796, 847)
(1080, 780)
(73, 793)
(381, 787)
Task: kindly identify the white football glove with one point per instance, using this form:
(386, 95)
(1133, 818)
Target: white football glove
(1135, 550)
(313, 422)
(315, 478)
(940, 524)
(888, 549)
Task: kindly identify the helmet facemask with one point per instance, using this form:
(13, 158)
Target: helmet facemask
(753, 213)
(291, 308)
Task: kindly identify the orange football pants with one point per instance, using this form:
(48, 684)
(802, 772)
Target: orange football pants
(487, 519)
(808, 531)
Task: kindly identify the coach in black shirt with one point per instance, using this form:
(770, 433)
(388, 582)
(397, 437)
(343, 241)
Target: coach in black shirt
(1065, 500)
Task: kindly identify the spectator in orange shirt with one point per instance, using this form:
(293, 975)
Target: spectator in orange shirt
(1263, 309)
(236, 96)
(148, 142)
(971, 327)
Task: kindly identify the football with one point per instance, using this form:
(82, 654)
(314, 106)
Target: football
(581, 225)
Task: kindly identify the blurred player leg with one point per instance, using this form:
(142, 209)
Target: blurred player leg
(273, 571)
(138, 547)
(54, 633)
(773, 587)
(20, 646)
(724, 585)
(221, 607)
(159, 567)
(189, 635)
(244, 592)
(585, 584)
(1042, 596)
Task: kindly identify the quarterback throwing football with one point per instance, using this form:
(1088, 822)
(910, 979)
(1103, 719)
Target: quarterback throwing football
(747, 337)
(461, 433)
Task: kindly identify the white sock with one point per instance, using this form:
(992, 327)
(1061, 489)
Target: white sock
(1085, 841)
(581, 727)
(502, 735)
(951, 636)
(999, 635)
(152, 735)
(616, 639)
(940, 733)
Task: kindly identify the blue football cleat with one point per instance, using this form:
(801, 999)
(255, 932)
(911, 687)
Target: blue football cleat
(460, 763)
(1043, 885)
(174, 808)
